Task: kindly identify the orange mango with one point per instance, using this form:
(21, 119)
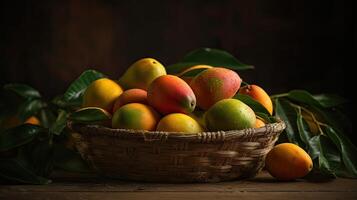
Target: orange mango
(258, 94)
(288, 161)
(130, 96)
(259, 123)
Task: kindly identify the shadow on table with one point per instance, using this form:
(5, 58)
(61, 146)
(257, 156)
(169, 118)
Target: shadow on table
(314, 177)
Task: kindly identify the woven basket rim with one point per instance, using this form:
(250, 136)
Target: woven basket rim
(270, 129)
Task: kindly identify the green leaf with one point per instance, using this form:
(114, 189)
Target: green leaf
(60, 122)
(331, 153)
(347, 149)
(329, 158)
(208, 56)
(286, 112)
(332, 117)
(304, 131)
(38, 155)
(29, 108)
(322, 100)
(321, 164)
(77, 88)
(62, 103)
(23, 90)
(15, 170)
(304, 97)
(266, 118)
(69, 160)
(18, 136)
(46, 117)
(318, 148)
(330, 100)
(74, 93)
(314, 147)
(256, 106)
(90, 114)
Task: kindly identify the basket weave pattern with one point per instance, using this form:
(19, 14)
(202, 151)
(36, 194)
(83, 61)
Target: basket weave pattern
(175, 157)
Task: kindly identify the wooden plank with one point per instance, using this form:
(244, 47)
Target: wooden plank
(179, 195)
(262, 183)
(261, 187)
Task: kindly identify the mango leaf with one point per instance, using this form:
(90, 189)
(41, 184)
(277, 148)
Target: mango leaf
(304, 97)
(73, 95)
(14, 170)
(330, 100)
(347, 149)
(77, 88)
(23, 90)
(328, 159)
(314, 147)
(322, 100)
(18, 136)
(256, 106)
(304, 131)
(46, 117)
(29, 108)
(60, 122)
(38, 155)
(90, 114)
(208, 56)
(62, 103)
(288, 114)
(320, 148)
(69, 160)
(332, 117)
(331, 153)
(266, 118)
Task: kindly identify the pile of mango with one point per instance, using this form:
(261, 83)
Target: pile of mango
(146, 98)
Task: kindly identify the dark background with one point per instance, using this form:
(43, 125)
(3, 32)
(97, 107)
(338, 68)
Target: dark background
(294, 44)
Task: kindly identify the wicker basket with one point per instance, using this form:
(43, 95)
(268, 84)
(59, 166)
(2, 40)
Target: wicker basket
(175, 157)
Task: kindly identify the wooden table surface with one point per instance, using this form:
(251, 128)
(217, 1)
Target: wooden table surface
(261, 187)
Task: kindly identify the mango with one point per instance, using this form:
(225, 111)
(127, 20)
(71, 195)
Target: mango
(33, 120)
(213, 85)
(130, 96)
(258, 94)
(259, 123)
(142, 73)
(178, 122)
(135, 116)
(170, 94)
(229, 114)
(102, 93)
(288, 161)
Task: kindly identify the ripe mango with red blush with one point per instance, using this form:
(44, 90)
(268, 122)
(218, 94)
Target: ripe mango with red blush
(213, 85)
(170, 94)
